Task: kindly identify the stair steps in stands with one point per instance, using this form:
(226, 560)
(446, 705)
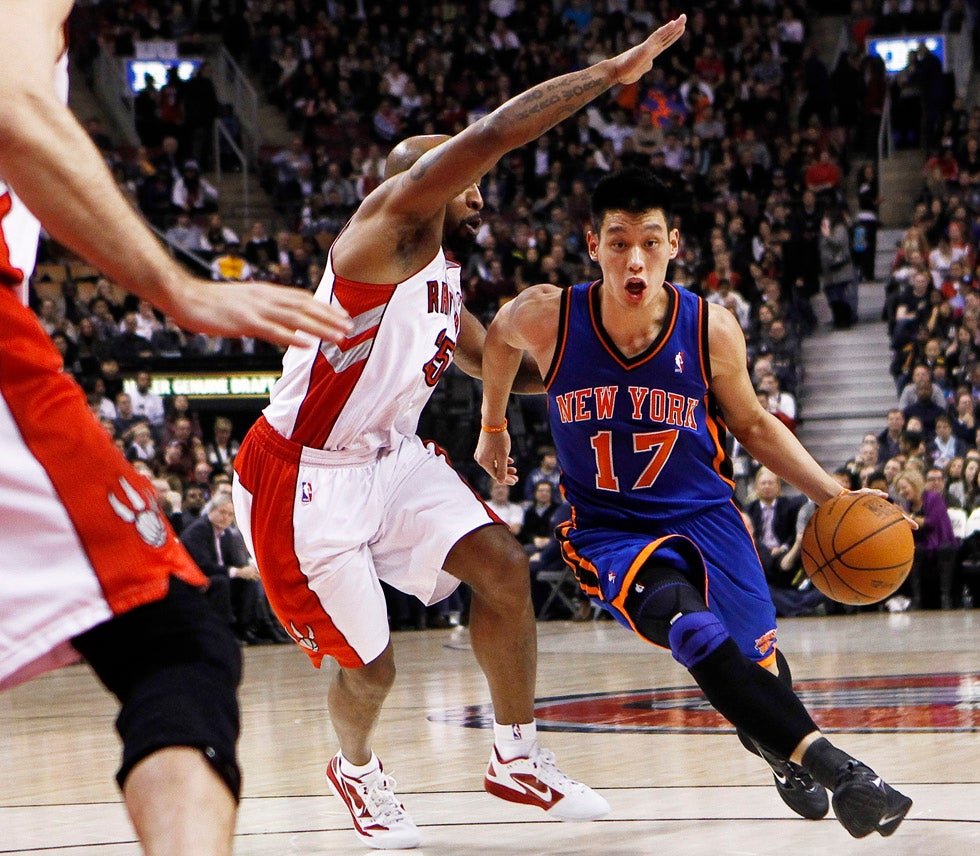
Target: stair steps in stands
(848, 388)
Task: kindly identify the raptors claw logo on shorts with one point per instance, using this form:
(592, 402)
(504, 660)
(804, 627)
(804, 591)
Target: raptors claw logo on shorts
(144, 513)
(307, 641)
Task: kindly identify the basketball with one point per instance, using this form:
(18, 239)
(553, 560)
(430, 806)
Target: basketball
(857, 548)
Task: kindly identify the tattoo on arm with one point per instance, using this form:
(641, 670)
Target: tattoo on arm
(572, 91)
(421, 166)
(537, 106)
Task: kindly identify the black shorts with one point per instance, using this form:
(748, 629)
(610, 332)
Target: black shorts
(175, 668)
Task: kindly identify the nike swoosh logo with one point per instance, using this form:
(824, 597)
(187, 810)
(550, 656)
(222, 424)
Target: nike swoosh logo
(543, 793)
(781, 778)
(891, 818)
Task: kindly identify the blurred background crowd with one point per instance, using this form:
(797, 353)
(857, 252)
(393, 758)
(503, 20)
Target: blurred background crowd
(772, 155)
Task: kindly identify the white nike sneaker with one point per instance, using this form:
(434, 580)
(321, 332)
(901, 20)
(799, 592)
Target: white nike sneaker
(380, 820)
(537, 781)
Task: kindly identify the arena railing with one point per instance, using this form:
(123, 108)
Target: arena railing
(112, 90)
(234, 88)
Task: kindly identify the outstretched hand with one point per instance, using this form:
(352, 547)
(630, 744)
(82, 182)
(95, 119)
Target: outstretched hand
(631, 65)
(275, 313)
(493, 454)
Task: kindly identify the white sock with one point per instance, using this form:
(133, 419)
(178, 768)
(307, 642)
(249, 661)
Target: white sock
(354, 771)
(515, 741)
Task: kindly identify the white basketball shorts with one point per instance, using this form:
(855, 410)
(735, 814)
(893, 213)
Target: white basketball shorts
(325, 527)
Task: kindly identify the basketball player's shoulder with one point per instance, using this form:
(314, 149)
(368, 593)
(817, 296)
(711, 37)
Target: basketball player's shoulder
(725, 336)
(533, 313)
(540, 297)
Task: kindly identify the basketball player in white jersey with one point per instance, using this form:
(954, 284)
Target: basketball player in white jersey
(88, 565)
(334, 491)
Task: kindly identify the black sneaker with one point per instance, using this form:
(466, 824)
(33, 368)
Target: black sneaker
(864, 803)
(795, 786)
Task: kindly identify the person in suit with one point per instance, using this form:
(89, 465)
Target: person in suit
(537, 529)
(191, 506)
(235, 589)
(773, 521)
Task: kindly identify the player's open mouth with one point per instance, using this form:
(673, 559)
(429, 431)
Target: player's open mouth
(473, 224)
(635, 286)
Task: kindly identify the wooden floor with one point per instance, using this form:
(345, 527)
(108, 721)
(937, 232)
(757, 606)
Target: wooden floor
(624, 720)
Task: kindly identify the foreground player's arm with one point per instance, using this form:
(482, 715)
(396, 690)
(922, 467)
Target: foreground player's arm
(529, 323)
(765, 438)
(48, 159)
(469, 357)
(447, 170)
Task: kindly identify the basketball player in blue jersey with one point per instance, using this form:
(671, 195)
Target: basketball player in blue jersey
(643, 381)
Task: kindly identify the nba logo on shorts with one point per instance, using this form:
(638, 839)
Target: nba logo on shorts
(307, 493)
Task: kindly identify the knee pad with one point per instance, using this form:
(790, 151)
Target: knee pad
(664, 593)
(695, 635)
(180, 688)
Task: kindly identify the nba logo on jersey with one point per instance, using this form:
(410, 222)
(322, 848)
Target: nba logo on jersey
(679, 362)
(307, 493)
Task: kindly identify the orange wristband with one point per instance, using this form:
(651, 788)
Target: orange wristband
(494, 429)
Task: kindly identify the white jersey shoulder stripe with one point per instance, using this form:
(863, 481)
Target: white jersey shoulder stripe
(369, 390)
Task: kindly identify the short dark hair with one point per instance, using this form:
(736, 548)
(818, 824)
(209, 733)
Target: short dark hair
(875, 475)
(632, 190)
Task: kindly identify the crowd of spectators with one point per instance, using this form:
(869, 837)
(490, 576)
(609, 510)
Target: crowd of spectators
(927, 454)
(758, 138)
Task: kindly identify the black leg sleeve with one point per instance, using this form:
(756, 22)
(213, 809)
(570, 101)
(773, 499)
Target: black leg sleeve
(753, 699)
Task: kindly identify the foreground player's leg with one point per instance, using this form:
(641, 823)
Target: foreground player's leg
(666, 608)
(795, 786)
(178, 804)
(503, 636)
(355, 774)
(178, 719)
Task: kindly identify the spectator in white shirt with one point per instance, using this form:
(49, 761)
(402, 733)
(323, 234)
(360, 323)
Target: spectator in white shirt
(512, 513)
(146, 403)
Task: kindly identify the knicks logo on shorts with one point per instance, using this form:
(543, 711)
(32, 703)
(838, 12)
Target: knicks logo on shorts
(764, 643)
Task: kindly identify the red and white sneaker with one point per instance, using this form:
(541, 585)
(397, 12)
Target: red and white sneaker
(537, 781)
(380, 820)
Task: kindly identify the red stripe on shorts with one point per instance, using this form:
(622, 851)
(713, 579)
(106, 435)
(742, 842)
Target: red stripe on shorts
(268, 468)
(86, 468)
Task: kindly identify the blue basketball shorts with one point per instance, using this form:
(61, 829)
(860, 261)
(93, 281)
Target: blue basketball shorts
(713, 548)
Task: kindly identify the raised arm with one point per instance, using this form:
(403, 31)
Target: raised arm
(447, 170)
(54, 168)
(528, 323)
(770, 442)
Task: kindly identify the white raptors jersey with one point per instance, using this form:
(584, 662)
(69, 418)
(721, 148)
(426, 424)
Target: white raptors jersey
(368, 391)
(19, 229)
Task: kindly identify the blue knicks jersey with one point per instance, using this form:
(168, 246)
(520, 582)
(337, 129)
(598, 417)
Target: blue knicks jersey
(638, 438)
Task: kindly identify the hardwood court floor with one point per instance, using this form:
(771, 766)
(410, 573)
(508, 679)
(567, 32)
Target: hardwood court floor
(914, 715)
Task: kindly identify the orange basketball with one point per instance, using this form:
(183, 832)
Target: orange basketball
(857, 548)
